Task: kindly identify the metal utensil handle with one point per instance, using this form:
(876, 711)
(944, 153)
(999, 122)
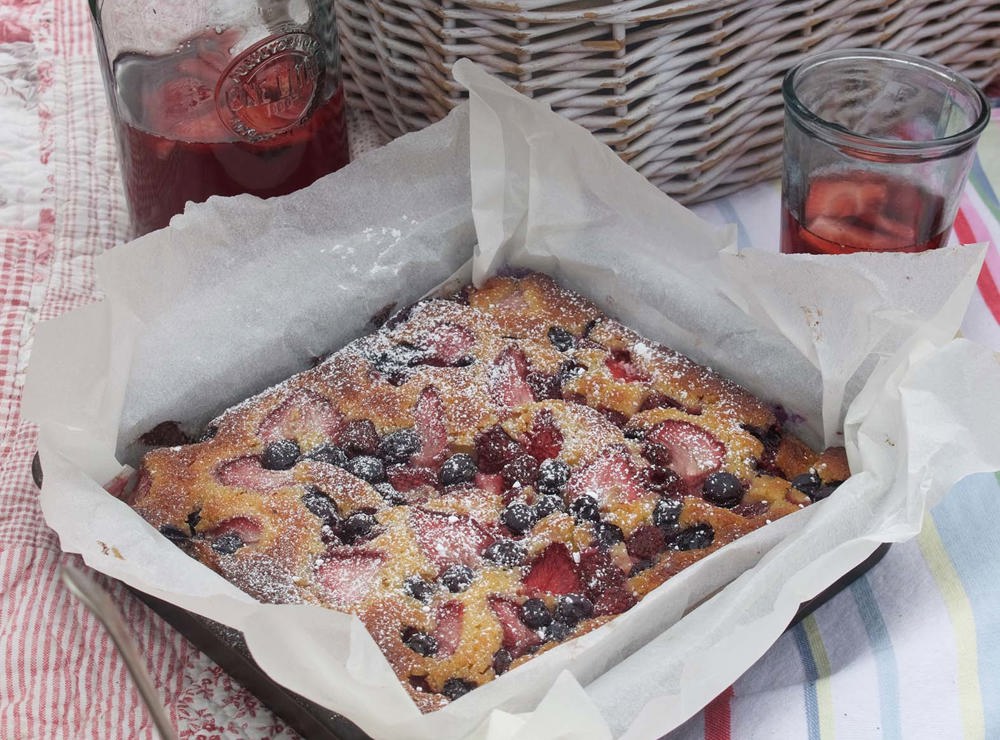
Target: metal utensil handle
(100, 605)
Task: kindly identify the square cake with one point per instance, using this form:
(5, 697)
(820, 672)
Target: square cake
(485, 477)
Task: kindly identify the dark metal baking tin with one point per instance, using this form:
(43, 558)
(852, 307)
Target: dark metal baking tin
(226, 647)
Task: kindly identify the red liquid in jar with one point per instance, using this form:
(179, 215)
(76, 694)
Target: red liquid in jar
(176, 148)
(864, 212)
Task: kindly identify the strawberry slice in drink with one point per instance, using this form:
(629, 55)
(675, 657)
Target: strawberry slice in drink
(554, 572)
(349, 573)
(507, 379)
(448, 632)
(613, 477)
(448, 539)
(694, 451)
(428, 421)
(841, 198)
(518, 638)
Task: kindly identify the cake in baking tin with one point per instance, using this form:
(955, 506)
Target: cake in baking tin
(485, 477)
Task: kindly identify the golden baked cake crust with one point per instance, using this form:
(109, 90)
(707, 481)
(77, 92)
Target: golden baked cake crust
(485, 477)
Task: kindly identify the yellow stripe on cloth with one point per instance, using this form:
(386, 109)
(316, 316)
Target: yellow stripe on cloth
(970, 698)
(824, 691)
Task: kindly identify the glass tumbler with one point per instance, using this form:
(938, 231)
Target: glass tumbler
(219, 99)
(877, 149)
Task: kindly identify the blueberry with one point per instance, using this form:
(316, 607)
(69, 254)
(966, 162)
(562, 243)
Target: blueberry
(192, 520)
(366, 468)
(456, 687)
(329, 454)
(666, 512)
(693, 538)
(570, 370)
(209, 433)
(399, 446)
(502, 660)
(557, 631)
(823, 491)
(358, 526)
(561, 339)
(722, 489)
(607, 534)
(390, 494)
(809, 483)
(506, 553)
(456, 578)
(459, 468)
(535, 614)
(421, 643)
(419, 589)
(585, 509)
(280, 455)
(571, 608)
(173, 534)
(319, 503)
(546, 505)
(552, 476)
(639, 566)
(518, 517)
(228, 543)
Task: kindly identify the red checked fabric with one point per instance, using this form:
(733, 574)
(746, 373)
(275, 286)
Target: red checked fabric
(61, 205)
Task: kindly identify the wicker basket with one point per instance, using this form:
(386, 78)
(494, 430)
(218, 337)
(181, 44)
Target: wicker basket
(687, 92)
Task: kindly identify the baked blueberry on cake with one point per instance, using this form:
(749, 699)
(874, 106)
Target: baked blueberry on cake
(485, 477)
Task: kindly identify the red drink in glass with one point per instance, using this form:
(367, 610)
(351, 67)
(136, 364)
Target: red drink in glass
(859, 211)
(196, 123)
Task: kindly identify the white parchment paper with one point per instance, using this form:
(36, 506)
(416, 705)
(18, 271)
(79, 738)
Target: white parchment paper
(238, 293)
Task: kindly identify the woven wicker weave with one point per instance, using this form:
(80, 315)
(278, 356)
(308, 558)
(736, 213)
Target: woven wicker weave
(687, 92)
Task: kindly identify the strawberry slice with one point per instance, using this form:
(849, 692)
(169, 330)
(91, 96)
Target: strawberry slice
(518, 638)
(605, 582)
(554, 572)
(620, 364)
(428, 422)
(507, 379)
(247, 473)
(613, 477)
(694, 451)
(302, 414)
(448, 632)
(447, 539)
(247, 528)
(407, 478)
(349, 573)
(544, 440)
(447, 345)
(490, 482)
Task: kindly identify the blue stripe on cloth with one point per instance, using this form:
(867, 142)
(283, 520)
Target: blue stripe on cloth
(812, 675)
(966, 520)
(983, 186)
(885, 659)
(731, 215)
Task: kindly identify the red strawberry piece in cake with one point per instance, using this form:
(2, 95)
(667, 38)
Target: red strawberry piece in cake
(430, 428)
(694, 451)
(301, 414)
(406, 478)
(621, 366)
(349, 573)
(448, 632)
(544, 440)
(606, 584)
(230, 535)
(490, 482)
(507, 379)
(612, 477)
(448, 345)
(518, 638)
(447, 539)
(247, 473)
(554, 572)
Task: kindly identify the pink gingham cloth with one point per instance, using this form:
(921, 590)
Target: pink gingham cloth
(905, 652)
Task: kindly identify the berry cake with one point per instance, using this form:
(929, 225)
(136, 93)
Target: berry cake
(485, 477)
